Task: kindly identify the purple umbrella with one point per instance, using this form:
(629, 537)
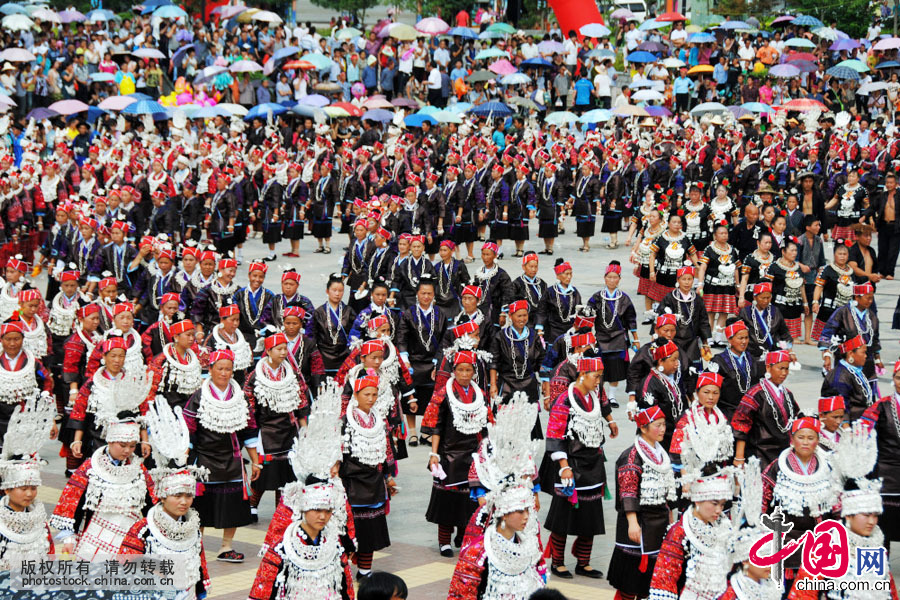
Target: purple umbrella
(69, 107)
(316, 100)
(71, 15)
(785, 71)
(844, 44)
(551, 47)
(652, 47)
(405, 102)
(658, 111)
(39, 114)
(184, 35)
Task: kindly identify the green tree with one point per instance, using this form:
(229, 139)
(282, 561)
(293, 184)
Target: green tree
(356, 8)
(852, 16)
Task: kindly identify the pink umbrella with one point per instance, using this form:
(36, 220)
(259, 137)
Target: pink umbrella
(69, 107)
(432, 26)
(502, 67)
(116, 102)
(378, 101)
(226, 12)
(890, 43)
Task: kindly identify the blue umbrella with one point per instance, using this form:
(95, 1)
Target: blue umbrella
(807, 21)
(315, 100)
(151, 5)
(417, 119)
(463, 32)
(304, 110)
(285, 52)
(208, 112)
(542, 63)
(658, 111)
(459, 107)
(843, 73)
(379, 115)
(100, 14)
(102, 77)
(95, 113)
(179, 54)
(653, 24)
(144, 107)
(641, 57)
(735, 25)
(757, 107)
(601, 53)
(492, 109)
(594, 30)
(13, 9)
(888, 64)
(701, 38)
(169, 12)
(262, 110)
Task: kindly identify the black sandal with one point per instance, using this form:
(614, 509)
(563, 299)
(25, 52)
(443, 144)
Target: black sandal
(413, 441)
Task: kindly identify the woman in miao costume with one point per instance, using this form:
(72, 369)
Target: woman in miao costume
(221, 423)
(227, 336)
(645, 490)
(310, 540)
(21, 374)
(105, 496)
(279, 405)
(122, 326)
(861, 510)
(177, 372)
(800, 483)
(503, 558)
(171, 529)
(23, 522)
(573, 470)
(455, 419)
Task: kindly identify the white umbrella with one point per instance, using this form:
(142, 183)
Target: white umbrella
(16, 55)
(148, 53)
(7, 101)
(673, 63)
(45, 14)
(16, 23)
(235, 109)
(874, 86)
(890, 43)
(646, 96)
(245, 66)
(709, 107)
(267, 16)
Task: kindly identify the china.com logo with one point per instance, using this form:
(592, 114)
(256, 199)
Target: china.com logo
(825, 553)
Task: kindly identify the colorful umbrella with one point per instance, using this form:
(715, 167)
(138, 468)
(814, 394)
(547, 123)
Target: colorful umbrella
(170, 12)
(303, 65)
(855, 64)
(316, 100)
(45, 14)
(463, 32)
(492, 109)
(400, 31)
(757, 107)
(432, 26)
(348, 33)
(807, 21)
(801, 56)
(735, 25)
(622, 13)
(352, 109)
(417, 119)
(701, 69)
(16, 22)
(376, 102)
(266, 16)
(491, 53)
(16, 55)
(144, 107)
(505, 28)
(562, 117)
(641, 57)
(116, 102)
(502, 67)
(263, 110)
(784, 71)
(245, 66)
(890, 43)
(148, 53)
(658, 111)
(71, 15)
(515, 79)
(804, 105)
(709, 107)
(843, 73)
(799, 42)
(844, 44)
(670, 17)
(40, 114)
(379, 115)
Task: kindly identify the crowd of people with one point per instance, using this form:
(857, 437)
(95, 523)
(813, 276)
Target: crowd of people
(180, 397)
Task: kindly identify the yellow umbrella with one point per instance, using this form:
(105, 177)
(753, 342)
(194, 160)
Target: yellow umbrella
(701, 69)
(630, 110)
(244, 17)
(336, 111)
(403, 32)
(693, 29)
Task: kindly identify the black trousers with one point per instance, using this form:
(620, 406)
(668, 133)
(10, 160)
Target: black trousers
(888, 249)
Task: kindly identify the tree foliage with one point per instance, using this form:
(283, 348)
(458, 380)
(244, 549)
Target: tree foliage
(851, 16)
(356, 8)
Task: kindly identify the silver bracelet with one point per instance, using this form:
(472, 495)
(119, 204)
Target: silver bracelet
(437, 456)
(563, 469)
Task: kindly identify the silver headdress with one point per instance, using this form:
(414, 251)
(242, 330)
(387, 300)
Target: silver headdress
(745, 515)
(854, 458)
(29, 427)
(316, 450)
(170, 438)
(505, 463)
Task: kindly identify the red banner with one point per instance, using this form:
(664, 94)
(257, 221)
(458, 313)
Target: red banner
(572, 14)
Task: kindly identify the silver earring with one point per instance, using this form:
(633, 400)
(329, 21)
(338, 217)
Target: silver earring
(581, 380)
(850, 360)
(660, 369)
(503, 524)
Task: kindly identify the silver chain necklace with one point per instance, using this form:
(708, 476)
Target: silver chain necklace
(334, 334)
(673, 392)
(421, 325)
(738, 371)
(444, 291)
(789, 407)
(569, 312)
(607, 325)
(518, 372)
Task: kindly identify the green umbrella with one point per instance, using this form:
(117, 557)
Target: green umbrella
(526, 103)
(561, 117)
(491, 53)
(502, 28)
(482, 75)
(348, 33)
(855, 64)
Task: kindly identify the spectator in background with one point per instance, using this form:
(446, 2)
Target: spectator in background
(370, 76)
(387, 79)
(353, 69)
(434, 85)
(442, 55)
(561, 88)
(682, 88)
(263, 93)
(603, 87)
(458, 71)
(282, 89)
(462, 18)
(584, 90)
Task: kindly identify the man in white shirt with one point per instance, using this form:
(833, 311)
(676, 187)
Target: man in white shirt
(442, 54)
(570, 47)
(434, 85)
(529, 48)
